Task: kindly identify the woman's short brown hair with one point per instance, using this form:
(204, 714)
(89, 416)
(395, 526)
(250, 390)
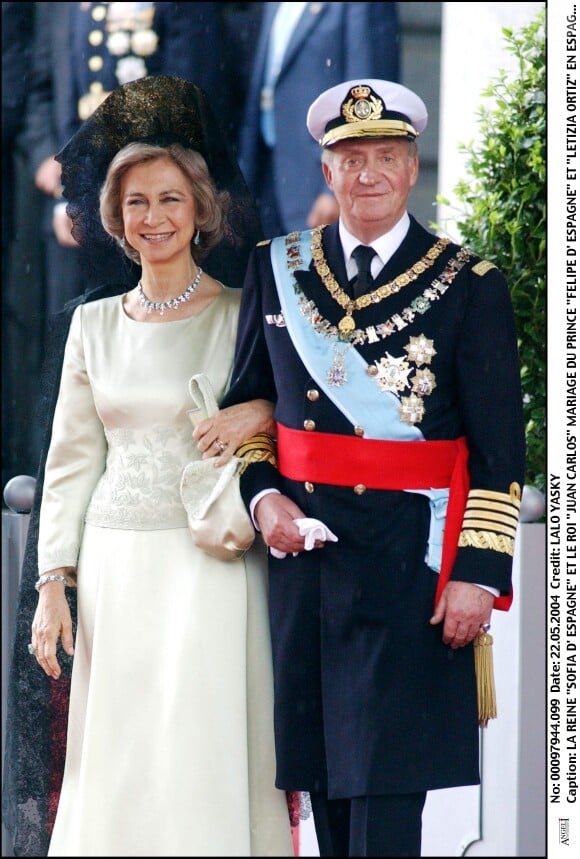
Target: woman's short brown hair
(211, 205)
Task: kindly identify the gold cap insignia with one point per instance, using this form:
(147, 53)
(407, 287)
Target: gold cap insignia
(362, 105)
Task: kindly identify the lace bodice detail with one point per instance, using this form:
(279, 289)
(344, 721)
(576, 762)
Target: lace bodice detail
(140, 486)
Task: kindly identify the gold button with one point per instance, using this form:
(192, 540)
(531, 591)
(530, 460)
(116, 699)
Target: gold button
(95, 38)
(95, 64)
(313, 395)
(309, 426)
(515, 492)
(372, 369)
(309, 487)
(359, 431)
(360, 488)
(99, 13)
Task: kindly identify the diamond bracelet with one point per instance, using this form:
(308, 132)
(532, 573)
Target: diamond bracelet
(44, 580)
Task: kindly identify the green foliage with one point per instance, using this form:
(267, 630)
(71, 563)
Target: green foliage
(503, 212)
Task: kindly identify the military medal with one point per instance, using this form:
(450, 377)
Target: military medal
(346, 324)
(391, 374)
(420, 349)
(423, 383)
(336, 375)
(412, 409)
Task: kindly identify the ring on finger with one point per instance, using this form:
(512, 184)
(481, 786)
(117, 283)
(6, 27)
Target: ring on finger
(221, 446)
(485, 627)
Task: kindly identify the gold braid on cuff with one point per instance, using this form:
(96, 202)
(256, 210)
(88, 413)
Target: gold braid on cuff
(258, 448)
(490, 520)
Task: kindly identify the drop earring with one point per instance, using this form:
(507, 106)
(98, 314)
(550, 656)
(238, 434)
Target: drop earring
(197, 238)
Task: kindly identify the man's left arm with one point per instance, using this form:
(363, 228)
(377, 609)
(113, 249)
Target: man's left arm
(490, 396)
(489, 393)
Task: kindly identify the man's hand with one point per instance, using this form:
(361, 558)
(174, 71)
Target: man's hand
(465, 608)
(62, 226)
(274, 514)
(48, 176)
(324, 211)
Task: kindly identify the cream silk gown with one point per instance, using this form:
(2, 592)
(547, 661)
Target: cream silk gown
(170, 747)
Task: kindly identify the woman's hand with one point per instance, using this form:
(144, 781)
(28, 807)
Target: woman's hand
(51, 620)
(220, 435)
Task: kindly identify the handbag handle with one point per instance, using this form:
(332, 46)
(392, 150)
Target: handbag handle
(203, 396)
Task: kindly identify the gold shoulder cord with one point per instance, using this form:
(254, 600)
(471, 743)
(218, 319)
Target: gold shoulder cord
(258, 448)
(347, 323)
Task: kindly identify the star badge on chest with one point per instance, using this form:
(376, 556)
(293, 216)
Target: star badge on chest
(392, 374)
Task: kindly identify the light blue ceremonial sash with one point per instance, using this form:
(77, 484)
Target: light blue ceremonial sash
(359, 398)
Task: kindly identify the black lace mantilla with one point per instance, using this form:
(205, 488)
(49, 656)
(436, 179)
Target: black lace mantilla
(159, 109)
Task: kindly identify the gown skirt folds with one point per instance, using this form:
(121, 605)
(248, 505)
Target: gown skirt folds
(170, 747)
(166, 752)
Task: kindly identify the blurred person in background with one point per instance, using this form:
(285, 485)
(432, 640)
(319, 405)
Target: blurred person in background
(82, 52)
(302, 49)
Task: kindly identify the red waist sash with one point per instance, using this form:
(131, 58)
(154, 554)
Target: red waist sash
(341, 460)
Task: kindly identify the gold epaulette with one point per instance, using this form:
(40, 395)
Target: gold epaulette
(258, 448)
(483, 267)
(491, 519)
(263, 243)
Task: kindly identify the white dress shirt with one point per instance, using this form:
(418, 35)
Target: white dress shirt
(385, 246)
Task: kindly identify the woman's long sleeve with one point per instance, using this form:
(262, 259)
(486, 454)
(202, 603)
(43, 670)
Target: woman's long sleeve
(75, 460)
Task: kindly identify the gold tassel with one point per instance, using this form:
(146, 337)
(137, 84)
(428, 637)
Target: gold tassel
(486, 703)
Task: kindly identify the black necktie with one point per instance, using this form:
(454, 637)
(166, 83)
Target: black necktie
(364, 280)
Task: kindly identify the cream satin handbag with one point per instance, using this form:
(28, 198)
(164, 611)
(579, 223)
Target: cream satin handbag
(218, 520)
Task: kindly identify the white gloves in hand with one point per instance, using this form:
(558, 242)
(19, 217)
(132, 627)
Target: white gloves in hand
(312, 530)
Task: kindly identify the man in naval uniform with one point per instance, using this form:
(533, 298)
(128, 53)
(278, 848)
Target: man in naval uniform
(390, 498)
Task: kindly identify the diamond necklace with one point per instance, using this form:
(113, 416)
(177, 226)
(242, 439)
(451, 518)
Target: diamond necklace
(172, 303)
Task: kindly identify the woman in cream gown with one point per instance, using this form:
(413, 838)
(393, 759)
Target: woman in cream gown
(170, 748)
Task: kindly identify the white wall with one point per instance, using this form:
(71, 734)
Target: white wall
(472, 52)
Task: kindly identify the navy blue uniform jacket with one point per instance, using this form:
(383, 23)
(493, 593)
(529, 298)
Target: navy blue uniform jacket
(368, 700)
